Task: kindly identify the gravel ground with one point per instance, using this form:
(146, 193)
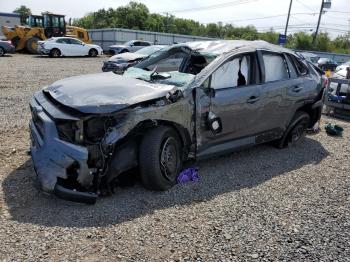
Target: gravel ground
(260, 204)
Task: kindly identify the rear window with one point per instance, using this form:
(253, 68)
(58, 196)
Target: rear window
(275, 67)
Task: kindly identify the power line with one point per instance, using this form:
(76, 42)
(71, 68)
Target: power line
(335, 11)
(264, 17)
(303, 24)
(211, 7)
(308, 7)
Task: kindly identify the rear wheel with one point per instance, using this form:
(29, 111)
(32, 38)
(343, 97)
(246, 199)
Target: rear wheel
(2, 51)
(93, 52)
(55, 53)
(160, 158)
(296, 130)
(15, 41)
(32, 45)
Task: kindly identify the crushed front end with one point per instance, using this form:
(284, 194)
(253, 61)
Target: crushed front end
(64, 163)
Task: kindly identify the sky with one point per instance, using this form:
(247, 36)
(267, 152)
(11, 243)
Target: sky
(263, 14)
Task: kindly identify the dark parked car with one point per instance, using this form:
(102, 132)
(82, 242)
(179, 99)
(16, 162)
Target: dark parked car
(130, 46)
(6, 47)
(88, 130)
(327, 64)
(122, 61)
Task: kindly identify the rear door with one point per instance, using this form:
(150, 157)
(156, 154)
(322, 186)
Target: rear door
(137, 46)
(234, 101)
(277, 82)
(283, 90)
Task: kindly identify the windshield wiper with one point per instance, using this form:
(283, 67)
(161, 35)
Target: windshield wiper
(157, 76)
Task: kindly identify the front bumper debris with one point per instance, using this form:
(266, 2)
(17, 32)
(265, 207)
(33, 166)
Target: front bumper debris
(43, 51)
(52, 158)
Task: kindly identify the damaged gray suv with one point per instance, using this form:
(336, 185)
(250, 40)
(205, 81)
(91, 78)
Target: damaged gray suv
(88, 131)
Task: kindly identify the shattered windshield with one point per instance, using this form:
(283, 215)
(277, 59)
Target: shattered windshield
(170, 78)
(175, 65)
(149, 50)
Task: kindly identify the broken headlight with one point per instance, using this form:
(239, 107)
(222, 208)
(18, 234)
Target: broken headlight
(70, 131)
(95, 128)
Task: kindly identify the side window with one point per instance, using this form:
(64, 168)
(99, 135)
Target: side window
(74, 42)
(170, 63)
(81, 35)
(55, 21)
(234, 73)
(275, 67)
(137, 44)
(291, 68)
(63, 41)
(145, 44)
(302, 69)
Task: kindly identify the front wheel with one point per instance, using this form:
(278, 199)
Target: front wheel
(296, 130)
(160, 158)
(2, 51)
(93, 53)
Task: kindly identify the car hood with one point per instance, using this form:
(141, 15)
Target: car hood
(104, 92)
(126, 57)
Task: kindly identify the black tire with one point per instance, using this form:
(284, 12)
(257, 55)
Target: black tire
(160, 145)
(2, 51)
(15, 41)
(296, 130)
(55, 53)
(93, 52)
(32, 45)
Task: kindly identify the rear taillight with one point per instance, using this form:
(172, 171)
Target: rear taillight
(325, 82)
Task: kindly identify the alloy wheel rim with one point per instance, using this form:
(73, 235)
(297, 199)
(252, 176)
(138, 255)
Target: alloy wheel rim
(169, 158)
(297, 132)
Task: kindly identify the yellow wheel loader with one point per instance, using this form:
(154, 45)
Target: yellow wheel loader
(41, 28)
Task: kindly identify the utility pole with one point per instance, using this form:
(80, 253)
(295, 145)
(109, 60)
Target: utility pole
(290, 7)
(325, 4)
(318, 24)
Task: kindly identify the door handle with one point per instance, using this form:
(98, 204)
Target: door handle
(253, 99)
(297, 89)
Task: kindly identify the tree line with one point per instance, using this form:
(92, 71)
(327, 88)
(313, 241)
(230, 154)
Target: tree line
(137, 16)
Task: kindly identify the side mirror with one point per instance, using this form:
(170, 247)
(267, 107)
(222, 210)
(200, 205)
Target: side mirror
(206, 86)
(210, 92)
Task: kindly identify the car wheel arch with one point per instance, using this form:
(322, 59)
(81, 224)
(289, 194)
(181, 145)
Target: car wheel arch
(131, 142)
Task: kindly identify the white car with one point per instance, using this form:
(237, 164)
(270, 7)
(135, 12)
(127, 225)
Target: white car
(67, 46)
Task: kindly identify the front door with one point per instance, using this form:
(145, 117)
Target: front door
(78, 48)
(231, 97)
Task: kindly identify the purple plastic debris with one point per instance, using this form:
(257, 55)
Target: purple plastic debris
(187, 175)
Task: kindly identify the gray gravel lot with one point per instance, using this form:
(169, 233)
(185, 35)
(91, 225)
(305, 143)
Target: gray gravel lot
(261, 204)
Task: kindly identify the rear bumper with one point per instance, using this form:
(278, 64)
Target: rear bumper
(53, 157)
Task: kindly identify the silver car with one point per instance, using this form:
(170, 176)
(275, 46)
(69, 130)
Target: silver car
(130, 46)
(87, 131)
(6, 47)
